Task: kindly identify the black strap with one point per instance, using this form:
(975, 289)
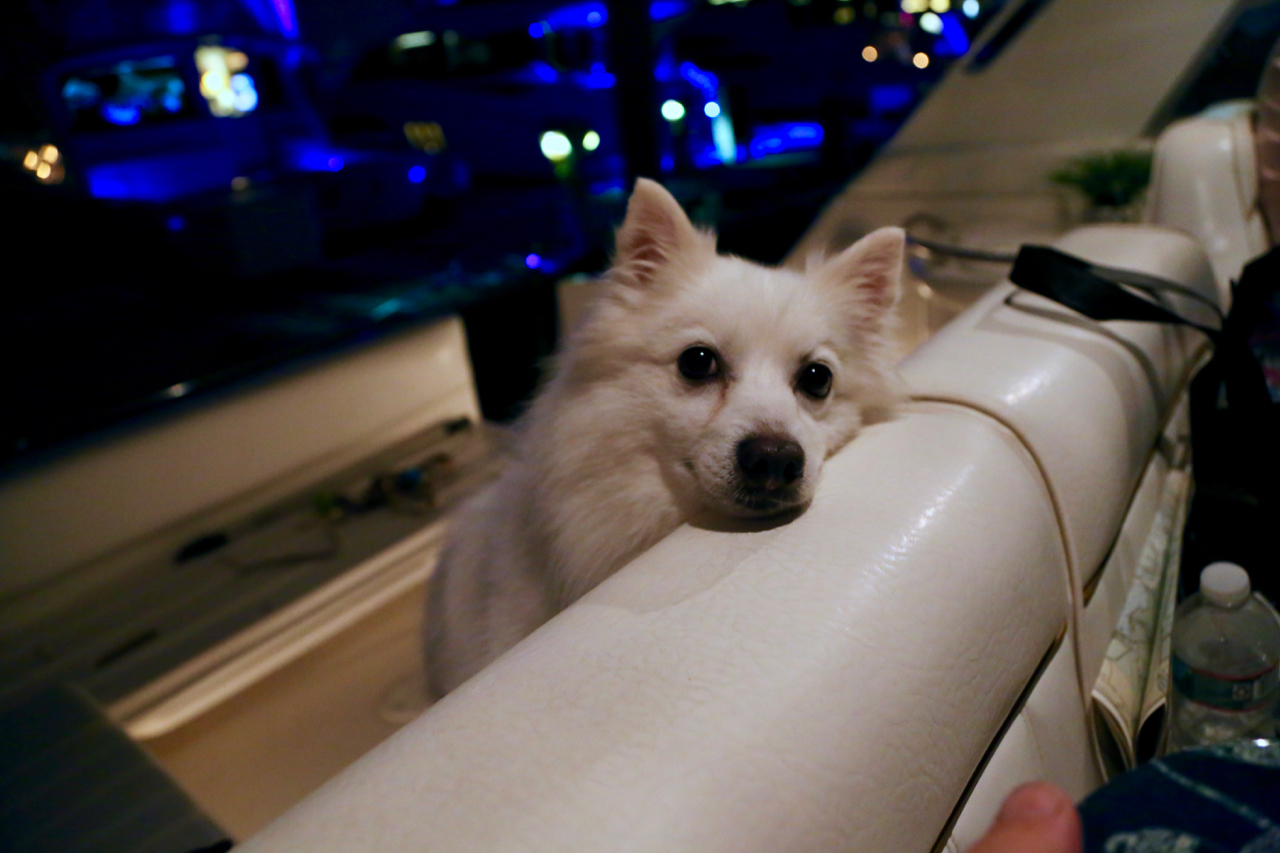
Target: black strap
(1096, 291)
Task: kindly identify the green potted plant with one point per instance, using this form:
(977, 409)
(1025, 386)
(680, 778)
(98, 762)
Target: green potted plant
(1113, 182)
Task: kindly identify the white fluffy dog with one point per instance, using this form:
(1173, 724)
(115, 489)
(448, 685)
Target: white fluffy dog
(697, 385)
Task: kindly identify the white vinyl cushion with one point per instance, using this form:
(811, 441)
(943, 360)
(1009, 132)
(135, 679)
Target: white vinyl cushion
(1205, 182)
(828, 684)
(1088, 399)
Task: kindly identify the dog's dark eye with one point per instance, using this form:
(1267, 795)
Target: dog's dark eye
(815, 380)
(698, 363)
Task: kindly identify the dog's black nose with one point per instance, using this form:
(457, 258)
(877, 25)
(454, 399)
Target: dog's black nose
(769, 463)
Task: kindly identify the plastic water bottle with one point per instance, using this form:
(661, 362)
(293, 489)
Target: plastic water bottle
(1226, 646)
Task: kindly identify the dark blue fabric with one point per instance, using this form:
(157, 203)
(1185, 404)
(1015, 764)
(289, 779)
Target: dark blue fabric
(1220, 799)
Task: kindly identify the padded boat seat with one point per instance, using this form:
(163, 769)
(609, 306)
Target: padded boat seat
(827, 684)
(838, 682)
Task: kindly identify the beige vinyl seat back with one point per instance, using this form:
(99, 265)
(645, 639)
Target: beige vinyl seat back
(1216, 177)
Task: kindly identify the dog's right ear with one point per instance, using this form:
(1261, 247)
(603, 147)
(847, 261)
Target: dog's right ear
(655, 231)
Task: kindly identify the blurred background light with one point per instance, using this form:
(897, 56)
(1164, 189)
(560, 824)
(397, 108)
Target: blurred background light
(870, 54)
(920, 60)
(712, 109)
(931, 23)
(590, 141)
(672, 110)
(971, 8)
(417, 174)
(229, 92)
(555, 146)
(661, 10)
(409, 41)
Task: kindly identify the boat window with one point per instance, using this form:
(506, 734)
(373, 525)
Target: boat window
(208, 192)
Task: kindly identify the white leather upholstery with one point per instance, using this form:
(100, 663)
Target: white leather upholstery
(1088, 399)
(1049, 739)
(829, 684)
(1205, 182)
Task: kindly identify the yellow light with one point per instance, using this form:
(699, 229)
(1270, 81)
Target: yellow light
(31, 159)
(940, 6)
(931, 23)
(672, 110)
(915, 7)
(240, 183)
(843, 15)
(870, 54)
(236, 61)
(49, 153)
(43, 171)
(591, 141)
(425, 135)
(920, 60)
(555, 146)
(211, 83)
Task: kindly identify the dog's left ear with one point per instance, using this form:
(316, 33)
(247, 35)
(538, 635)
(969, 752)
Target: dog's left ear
(872, 269)
(655, 231)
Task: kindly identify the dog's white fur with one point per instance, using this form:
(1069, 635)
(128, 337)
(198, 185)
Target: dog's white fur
(619, 448)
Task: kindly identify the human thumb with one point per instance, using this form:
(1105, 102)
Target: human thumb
(1035, 818)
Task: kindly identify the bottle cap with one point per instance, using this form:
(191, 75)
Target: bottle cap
(1224, 584)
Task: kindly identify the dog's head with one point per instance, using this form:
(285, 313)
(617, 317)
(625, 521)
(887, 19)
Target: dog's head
(741, 379)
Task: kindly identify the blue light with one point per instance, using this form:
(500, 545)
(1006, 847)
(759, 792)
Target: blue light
(532, 261)
(707, 157)
(121, 113)
(890, 97)
(543, 72)
(660, 10)
(609, 187)
(712, 109)
(596, 78)
(275, 15)
(417, 174)
(578, 16)
(971, 8)
(668, 163)
(953, 35)
(782, 138)
(175, 223)
(704, 81)
(284, 12)
(310, 158)
(180, 17)
(384, 310)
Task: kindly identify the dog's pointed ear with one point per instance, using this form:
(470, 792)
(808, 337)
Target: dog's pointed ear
(655, 231)
(872, 269)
